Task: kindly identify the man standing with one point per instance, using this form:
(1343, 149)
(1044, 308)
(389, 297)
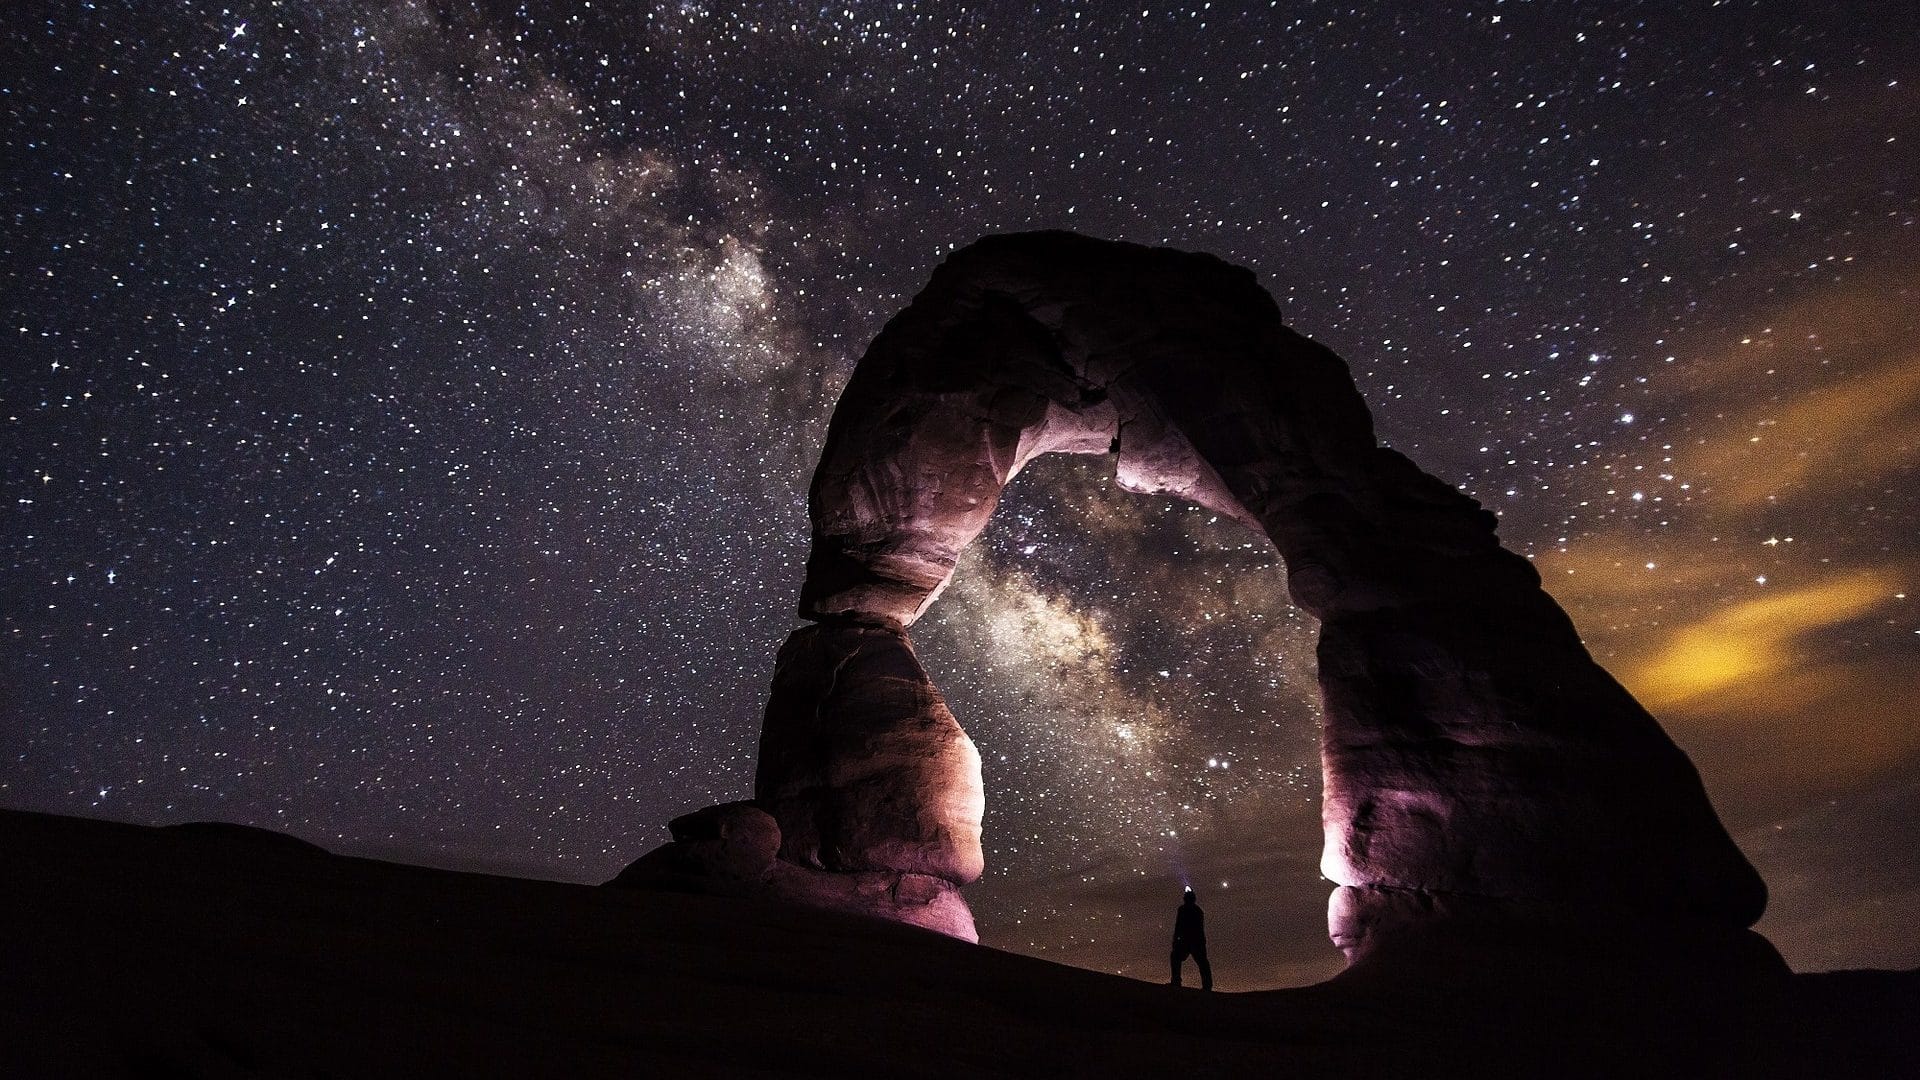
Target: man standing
(1190, 939)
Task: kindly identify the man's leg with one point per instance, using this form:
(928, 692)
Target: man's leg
(1206, 969)
(1179, 955)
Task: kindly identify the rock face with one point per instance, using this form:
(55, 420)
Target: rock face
(868, 798)
(862, 763)
(1475, 756)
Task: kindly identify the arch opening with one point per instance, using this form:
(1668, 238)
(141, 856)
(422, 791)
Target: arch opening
(1140, 690)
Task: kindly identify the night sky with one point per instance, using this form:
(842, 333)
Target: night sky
(406, 413)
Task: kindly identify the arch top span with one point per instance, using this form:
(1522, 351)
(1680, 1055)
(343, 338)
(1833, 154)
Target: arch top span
(1477, 763)
(1176, 363)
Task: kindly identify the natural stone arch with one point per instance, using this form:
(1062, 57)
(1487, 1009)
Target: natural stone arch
(1476, 759)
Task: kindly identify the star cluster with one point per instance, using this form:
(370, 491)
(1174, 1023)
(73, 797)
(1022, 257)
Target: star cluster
(407, 410)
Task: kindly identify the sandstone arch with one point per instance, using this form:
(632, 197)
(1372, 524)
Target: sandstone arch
(1475, 757)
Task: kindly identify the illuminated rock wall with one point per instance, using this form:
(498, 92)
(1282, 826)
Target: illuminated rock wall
(1476, 758)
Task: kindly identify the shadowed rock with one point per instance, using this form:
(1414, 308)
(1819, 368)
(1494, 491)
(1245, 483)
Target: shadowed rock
(140, 952)
(248, 835)
(1475, 756)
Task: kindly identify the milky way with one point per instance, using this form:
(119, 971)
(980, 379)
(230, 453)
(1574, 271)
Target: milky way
(407, 410)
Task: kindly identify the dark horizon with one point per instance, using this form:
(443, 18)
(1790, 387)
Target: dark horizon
(410, 413)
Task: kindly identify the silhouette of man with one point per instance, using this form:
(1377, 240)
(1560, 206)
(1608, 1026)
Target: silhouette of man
(1190, 939)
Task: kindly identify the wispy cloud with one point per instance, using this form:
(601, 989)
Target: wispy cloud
(1767, 650)
(1821, 392)
(1743, 650)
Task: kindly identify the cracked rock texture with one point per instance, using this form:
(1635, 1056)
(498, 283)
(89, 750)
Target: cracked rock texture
(731, 850)
(862, 763)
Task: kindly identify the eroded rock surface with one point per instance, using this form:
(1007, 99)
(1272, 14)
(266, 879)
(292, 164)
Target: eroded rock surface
(862, 764)
(732, 850)
(1473, 750)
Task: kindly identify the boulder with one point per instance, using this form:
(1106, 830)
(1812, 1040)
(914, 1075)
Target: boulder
(732, 843)
(733, 850)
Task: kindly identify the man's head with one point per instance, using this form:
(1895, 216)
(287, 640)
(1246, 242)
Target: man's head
(1189, 897)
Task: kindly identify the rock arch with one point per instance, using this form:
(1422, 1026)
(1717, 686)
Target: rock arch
(1476, 759)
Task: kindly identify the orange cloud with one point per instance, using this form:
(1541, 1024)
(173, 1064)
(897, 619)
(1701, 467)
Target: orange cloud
(1751, 644)
(1868, 425)
(1818, 392)
(1747, 622)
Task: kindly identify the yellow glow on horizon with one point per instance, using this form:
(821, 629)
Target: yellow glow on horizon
(1752, 640)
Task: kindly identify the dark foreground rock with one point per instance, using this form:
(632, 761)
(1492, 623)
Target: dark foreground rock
(127, 951)
(228, 832)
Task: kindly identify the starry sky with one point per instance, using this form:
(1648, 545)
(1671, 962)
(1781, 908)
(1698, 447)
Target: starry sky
(406, 411)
